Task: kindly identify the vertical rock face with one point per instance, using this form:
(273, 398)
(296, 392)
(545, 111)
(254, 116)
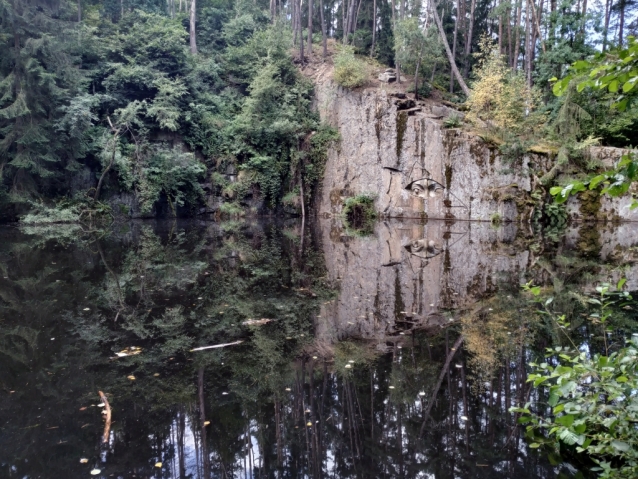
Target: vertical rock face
(400, 153)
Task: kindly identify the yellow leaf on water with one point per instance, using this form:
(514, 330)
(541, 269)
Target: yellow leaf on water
(156, 374)
(95, 472)
(309, 423)
(158, 464)
(206, 423)
(84, 460)
(131, 377)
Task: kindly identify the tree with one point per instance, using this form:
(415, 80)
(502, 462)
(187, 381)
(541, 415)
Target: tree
(193, 40)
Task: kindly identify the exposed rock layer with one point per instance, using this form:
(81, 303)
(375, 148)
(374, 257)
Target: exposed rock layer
(399, 152)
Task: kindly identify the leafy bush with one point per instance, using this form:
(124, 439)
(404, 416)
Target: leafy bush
(452, 121)
(500, 99)
(594, 407)
(359, 212)
(350, 71)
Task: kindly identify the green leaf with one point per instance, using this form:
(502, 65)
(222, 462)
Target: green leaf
(553, 399)
(621, 283)
(566, 420)
(622, 379)
(620, 445)
(534, 445)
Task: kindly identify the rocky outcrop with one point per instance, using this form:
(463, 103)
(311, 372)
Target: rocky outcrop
(400, 152)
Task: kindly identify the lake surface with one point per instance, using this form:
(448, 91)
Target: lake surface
(389, 355)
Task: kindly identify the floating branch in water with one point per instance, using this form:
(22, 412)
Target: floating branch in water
(107, 423)
(216, 346)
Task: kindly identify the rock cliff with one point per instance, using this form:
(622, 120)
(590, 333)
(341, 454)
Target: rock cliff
(400, 152)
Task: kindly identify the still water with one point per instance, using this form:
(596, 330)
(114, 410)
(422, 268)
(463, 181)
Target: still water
(389, 355)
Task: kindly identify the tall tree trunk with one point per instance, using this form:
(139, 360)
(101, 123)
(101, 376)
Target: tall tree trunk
(301, 55)
(607, 15)
(468, 39)
(528, 43)
(79, 11)
(510, 52)
(344, 8)
(517, 42)
(450, 57)
(192, 27)
(621, 22)
(500, 31)
(374, 26)
(454, 42)
(324, 39)
(310, 5)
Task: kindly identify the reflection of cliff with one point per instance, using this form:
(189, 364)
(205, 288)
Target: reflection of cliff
(407, 274)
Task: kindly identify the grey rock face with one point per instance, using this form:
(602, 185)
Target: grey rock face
(387, 77)
(401, 154)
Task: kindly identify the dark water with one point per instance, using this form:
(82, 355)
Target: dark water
(393, 355)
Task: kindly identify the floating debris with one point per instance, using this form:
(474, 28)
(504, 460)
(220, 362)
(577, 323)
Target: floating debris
(131, 377)
(84, 460)
(348, 366)
(95, 472)
(422, 393)
(131, 351)
(158, 464)
(256, 322)
(216, 346)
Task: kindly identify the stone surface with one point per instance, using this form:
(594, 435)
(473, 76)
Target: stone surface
(414, 167)
(387, 77)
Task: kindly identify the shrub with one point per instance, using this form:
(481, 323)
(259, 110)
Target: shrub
(500, 98)
(359, 212)
(350, 71)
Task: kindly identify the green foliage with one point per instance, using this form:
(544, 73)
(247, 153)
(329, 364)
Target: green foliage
(413, 45)
(350, 71)
(359, 212)
(452, 121)
(500, 100)
(615, 71)
(593, 404)
(615, 182)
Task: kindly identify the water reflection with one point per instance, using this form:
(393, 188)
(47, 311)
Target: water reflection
(392, 355)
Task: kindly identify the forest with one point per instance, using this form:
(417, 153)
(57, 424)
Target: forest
(166, 101)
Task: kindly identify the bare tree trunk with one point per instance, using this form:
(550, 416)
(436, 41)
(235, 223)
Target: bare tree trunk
(122, 8)
(450, 57)
(454, 37)
(374, 26)
(301, 55)
(607, 15)
(310, 5)
(537, 23)
(324, 39)
(344, 7)
(500, 31)
(621, 22)
(529, 43)
(582, 29)
(192, 27)
(79, 11)
(510, 52)
(517, 42)
(468, 39)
